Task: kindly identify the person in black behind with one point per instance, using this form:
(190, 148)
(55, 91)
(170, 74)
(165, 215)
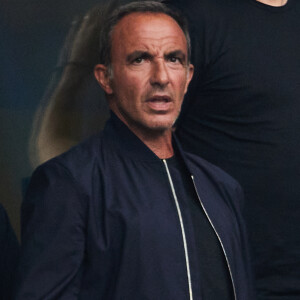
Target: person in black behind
(127, 214)
(9, 255)
(242, 114)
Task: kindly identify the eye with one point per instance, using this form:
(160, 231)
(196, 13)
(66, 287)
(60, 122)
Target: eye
(174, 59)
(138, 60)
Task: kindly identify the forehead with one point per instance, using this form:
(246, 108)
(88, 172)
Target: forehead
(146, 30)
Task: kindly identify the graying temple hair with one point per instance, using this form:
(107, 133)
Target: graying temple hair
(143, 7)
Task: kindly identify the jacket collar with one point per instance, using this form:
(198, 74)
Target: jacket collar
(123, 140)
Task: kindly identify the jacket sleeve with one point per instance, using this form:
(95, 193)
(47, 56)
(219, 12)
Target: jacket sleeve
(246, 249)
(53, 239)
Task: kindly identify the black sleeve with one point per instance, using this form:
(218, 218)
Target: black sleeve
(206, 22)
(53, 239)
(246, 249)
(9, 254)
(204, 46)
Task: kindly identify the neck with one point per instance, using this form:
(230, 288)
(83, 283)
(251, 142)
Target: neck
(159, 142)
(276, 3)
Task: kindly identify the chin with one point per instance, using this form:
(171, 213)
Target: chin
(160, 125)
(153, 123)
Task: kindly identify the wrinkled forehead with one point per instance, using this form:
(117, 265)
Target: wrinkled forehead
(146, 29)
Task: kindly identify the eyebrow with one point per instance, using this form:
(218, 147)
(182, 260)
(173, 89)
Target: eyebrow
(137, 54)
(145, 54)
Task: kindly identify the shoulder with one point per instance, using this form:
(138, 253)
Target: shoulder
(81, 155)
(3, 216)
(60, 188)
(6, 230)
(8, 241)
(4, 222)
(76, 162)
(66, 179)
(214, 183)
(201, 166)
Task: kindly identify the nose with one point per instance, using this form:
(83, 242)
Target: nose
(159, 74)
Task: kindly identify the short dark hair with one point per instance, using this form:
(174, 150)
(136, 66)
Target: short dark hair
(143, 7)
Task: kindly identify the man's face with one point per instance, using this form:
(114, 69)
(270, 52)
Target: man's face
(150, 74)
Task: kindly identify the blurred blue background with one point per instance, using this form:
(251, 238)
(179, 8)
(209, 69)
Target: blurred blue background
(31, 36)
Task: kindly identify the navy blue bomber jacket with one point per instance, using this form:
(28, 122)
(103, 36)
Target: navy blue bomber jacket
(101, 222)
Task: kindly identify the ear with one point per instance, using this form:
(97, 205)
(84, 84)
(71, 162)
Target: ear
(102, 76)
(189, 76)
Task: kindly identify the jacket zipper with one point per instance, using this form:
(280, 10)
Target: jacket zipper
(182, 231)
(212, 225)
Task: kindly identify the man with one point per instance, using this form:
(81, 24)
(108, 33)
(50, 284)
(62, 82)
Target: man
(242, 114)
(120, 216)
(9, 254)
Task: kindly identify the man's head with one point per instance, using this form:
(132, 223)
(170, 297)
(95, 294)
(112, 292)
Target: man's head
(142, 7)
(146, 72)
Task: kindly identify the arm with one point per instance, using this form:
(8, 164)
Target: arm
(246, 250)
(53, 238)
(9, 254)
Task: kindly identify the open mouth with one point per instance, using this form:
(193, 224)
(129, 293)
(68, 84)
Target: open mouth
(159, 103)
(163, 99)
